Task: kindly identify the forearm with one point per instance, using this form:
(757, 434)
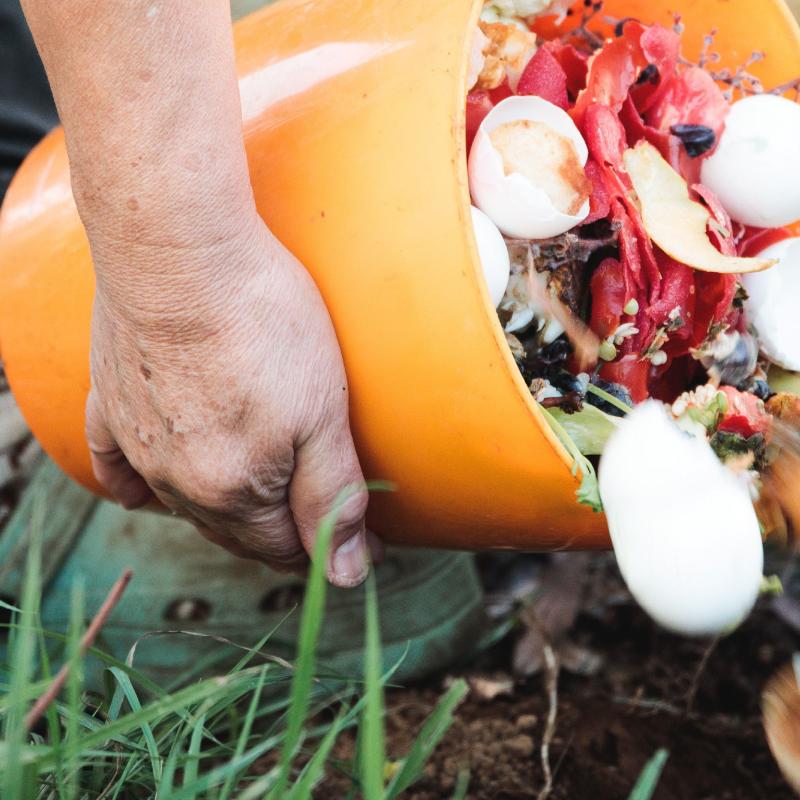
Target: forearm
(148, 97)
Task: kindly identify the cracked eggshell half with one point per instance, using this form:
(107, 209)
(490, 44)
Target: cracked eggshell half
(755, 169)
(772, 304)
(526, 169)
(683, 526)
(493, 253)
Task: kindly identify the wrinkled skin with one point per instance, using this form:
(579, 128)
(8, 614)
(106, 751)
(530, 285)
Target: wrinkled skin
(217, 382)
(235, 412)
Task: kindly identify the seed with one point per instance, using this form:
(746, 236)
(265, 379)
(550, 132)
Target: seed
(659, 358)
(631, 307)
(607, 350)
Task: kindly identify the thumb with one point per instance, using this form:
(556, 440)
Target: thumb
(111, 468)
(325, 466)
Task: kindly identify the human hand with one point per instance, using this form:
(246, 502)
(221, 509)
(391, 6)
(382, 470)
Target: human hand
(222, 391)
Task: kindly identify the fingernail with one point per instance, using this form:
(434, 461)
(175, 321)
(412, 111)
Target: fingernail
(349, 563)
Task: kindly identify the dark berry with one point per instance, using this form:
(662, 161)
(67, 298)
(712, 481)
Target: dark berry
(616, 390)
(696, 139)
(566, 382)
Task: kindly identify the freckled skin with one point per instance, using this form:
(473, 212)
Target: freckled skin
(217, 381)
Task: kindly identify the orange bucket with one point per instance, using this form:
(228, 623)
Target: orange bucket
(354, 123)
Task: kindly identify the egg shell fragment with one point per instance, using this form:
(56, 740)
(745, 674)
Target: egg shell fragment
(684, 530)
(519, 208)
(772, 304)
(755, 169)
(493, 253)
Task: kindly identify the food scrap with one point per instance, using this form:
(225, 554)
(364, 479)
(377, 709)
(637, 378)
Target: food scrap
(650, 289)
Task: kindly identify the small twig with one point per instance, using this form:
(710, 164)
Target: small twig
(646, 704)
(589, 11)
(110, 783)
(698, 674)
(551, 681)
(87, 640)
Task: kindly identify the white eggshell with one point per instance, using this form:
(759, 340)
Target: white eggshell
(518, 207)
(773, 304)
(493, 254)
(684, 530)
(755, 170)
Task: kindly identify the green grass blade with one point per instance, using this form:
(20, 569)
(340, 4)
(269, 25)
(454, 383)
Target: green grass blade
(53, 722)
(244, 735)
(125, 684)
(650, 776)
(313, 771)
(164, 786)
(260, 787)
(373, 751)
(22, 651)
(462, 785)
(310, 623)
(72, 737)
(193, 759)
(218, 775)
(252, 652)
(155, 710)
(428, 739)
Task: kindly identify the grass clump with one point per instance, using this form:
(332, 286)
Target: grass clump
(263, 729)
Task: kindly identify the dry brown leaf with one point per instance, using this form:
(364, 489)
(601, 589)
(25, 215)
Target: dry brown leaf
(675, 222)
(553, 612)
(485, 688)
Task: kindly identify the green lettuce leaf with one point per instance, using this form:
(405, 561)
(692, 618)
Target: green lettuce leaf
(589, 429)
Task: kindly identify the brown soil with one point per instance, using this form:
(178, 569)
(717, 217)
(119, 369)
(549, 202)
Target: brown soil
(610, 724)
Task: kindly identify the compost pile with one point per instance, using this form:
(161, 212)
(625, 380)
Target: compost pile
(641, 293)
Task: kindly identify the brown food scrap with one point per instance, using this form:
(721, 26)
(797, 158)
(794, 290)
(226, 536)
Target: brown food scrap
(509, 49)
(585, 342)
(779, 501)
(780, 705)
(785, 407)
(564, 259)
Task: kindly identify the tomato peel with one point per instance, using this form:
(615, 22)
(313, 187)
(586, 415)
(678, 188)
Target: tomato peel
(545, 78)
(745, 415)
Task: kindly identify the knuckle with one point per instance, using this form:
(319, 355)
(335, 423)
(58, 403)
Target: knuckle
(271, 531)
(353, 509)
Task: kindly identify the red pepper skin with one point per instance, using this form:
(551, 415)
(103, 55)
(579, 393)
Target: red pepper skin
(677, 291)
(545, 78)
(661, 48)
(724, 241)
(745, 414)
(600, 200)
(753, 241)
(479, 104)
(713, 300)
(630, 371)
(574, 63)
(607, 289)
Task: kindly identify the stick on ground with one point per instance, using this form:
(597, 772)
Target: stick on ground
(113, 597)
